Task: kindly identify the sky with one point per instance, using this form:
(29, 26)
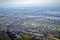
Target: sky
(28, 2)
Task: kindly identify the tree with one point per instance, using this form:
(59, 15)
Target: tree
(25, 37)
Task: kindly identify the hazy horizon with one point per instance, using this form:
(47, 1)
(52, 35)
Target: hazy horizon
(28, 3)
